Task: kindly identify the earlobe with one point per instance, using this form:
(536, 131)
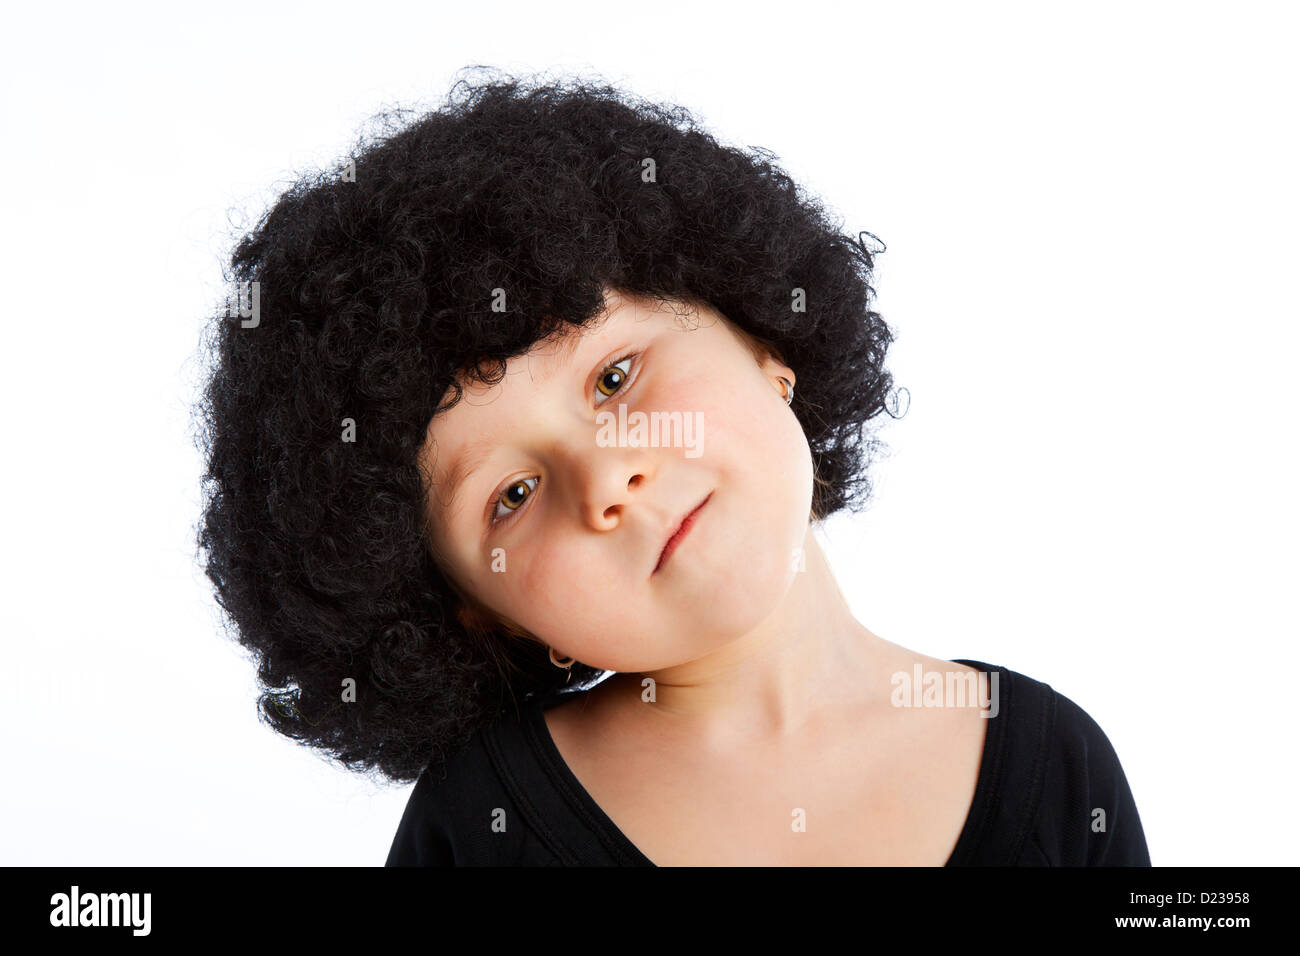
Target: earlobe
(473, 620)
(477, 620)
(775, 369)
(471, 615)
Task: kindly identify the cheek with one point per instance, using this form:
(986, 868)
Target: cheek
(752, 437)
(552, 587)
(533, 582)
(765, 467)
(567, 602)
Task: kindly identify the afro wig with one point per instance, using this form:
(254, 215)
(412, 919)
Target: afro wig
(372, 287)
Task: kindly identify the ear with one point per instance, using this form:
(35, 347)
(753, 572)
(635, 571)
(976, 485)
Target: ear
(773, 368)
(473, 617)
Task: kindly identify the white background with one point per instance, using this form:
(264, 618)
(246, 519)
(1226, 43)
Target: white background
(1091, 218)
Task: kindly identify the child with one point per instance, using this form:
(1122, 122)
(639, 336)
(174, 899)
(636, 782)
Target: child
(548, 384)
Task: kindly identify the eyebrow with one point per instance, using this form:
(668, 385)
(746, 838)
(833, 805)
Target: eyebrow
(471, 457)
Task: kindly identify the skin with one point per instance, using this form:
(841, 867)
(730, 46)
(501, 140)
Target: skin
(770, 700)
(745, 649)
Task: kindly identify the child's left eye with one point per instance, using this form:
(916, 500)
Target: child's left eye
(619, 376)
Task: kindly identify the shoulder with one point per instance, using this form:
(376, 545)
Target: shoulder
(455, 794)
(1077, 808)
(1043, 725)
(424, 833)
(1066, 734)
(1079, 734)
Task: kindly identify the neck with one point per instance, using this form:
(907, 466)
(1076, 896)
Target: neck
(806, 660)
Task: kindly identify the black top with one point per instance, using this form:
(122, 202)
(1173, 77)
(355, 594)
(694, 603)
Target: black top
(509, 799)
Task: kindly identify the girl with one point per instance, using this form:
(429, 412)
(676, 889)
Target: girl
(549, 384)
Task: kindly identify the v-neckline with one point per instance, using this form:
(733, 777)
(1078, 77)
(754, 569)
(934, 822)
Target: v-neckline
(987, 781)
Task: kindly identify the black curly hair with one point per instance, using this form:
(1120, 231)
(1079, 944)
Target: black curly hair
(371, 286)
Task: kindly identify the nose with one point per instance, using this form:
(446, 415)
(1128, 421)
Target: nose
(606, 481)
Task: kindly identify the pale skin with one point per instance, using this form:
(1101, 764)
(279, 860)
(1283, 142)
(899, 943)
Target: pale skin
(771, 700)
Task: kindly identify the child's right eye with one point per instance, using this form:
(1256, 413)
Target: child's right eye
(496, 517)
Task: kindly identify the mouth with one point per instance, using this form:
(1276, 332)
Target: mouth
(676, 537)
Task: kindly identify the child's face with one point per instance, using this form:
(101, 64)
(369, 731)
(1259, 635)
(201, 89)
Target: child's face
(582, 521)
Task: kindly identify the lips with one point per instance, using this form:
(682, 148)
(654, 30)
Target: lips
(675, 538)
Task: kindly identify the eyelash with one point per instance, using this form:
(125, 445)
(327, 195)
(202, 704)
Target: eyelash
(495, 501)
